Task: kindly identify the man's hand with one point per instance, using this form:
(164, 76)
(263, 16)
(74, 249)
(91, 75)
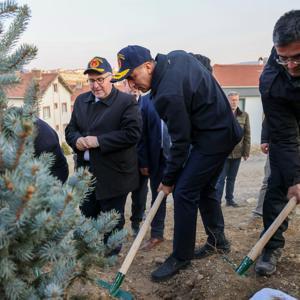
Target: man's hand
(294, 191)
(81, 144)
(144, 171)
(166, 189)
(264, 148)
(91, 141)
(245, 157)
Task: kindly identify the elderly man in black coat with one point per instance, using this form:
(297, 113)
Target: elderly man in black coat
(103, 131)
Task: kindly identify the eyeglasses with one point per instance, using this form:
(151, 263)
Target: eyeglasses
(284, 61)
(99, 80)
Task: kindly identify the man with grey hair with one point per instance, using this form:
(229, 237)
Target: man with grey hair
(242, 149)
(280, 90)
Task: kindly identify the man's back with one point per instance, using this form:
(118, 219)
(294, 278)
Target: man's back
(196, 102)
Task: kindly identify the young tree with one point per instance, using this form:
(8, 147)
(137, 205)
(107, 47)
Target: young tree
(45, 243)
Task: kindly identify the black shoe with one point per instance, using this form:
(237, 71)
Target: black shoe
(209, 249)
(169, 268)
(266, 263)
(232, 203)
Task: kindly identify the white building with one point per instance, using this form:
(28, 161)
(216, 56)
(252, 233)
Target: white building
(244, 79)
(54, 98)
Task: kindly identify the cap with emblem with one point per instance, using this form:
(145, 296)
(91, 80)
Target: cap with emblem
(129, 58)
(99, 65)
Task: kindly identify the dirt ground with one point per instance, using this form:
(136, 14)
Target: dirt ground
(214, 277)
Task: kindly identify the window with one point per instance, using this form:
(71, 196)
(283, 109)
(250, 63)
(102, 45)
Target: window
(46, 112)
(55, 105)
(64, 107)
(55, 87)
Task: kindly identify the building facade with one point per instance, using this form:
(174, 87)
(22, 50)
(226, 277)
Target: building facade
(244, 79)
(54, 98)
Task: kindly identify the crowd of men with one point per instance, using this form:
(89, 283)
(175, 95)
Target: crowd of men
(169, 121)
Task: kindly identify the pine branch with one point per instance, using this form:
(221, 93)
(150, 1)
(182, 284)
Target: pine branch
(27, 130)
(3, 105)
(16, 28)
(31, 102)
(28, 195)
(8, 79)
(8, 8)
(24, 54)
(15, 289)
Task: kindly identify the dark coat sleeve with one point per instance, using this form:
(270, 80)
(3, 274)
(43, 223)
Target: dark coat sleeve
(47, 141)
(143, 145)
(128, 134)
(173, 111)
(284, 136)
(265, 134)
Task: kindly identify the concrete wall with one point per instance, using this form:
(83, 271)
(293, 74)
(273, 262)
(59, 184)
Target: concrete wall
(253, 107)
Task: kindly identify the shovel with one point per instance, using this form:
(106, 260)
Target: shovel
(257, 249)
(114, 288)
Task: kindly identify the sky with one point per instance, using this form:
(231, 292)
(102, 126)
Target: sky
(68, 33)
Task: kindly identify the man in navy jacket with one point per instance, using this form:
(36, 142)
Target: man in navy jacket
(203, 132)
(280, 89)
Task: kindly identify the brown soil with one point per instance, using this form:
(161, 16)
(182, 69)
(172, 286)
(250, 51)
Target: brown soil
(214, 277)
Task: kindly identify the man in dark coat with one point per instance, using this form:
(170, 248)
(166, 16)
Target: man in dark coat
(280, 89)
(103, 131)
(47, 141)
(203, 132)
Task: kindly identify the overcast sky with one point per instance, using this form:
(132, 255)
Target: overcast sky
(70, 32)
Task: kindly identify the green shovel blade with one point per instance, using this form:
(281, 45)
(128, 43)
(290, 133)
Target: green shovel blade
(114, 288)
(244, 266)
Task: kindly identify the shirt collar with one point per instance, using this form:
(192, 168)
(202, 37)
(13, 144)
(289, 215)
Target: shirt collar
(162, 63)
(107, 101)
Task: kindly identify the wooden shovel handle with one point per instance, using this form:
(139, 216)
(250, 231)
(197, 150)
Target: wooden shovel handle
(257, 249)
(142, 232)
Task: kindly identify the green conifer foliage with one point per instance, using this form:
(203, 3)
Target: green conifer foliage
(45, 243)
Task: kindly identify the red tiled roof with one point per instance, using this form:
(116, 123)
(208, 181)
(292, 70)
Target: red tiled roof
(237, 75)
(19, 90)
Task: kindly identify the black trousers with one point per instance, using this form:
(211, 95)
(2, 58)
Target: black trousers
(139, 199)
(92, 207)
(274, 202)
(195, 189)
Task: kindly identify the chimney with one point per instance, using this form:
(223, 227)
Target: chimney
(37, 74)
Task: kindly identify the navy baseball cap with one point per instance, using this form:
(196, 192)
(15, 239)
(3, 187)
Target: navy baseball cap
(99, 65)
(129, 58)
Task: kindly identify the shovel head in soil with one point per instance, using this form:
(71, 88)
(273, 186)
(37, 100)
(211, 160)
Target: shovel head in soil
(114, 288)
(257, 249)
